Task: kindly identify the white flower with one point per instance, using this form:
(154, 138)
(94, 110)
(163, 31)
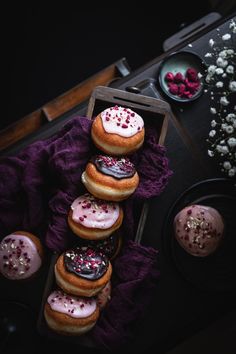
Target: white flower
(211, 42)
(226, 37)
(210, 153)
(219, 84)
(232, 86)
(230, 117)
(199, 75)
(219, 71)
(223, 127)
(229, 52)
(221, 62)
(231, 142)
(208, 78)
(222, 149)
(224, 101)
(229, 129)
(230, 69)
(212, 133)
(227, 165)
(213, 110)
(232, 26)
(231, 172)
(211, 70)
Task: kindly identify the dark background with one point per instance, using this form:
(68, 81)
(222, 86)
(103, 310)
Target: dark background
(50, 50)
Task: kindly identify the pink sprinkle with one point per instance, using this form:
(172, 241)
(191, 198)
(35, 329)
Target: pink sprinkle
(124, 126)
(81, 218)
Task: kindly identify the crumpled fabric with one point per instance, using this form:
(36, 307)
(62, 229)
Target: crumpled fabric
(38, 185)
(136, 276)
(37, 188)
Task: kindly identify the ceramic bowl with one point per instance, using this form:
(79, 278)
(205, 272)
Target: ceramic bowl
(180, 62)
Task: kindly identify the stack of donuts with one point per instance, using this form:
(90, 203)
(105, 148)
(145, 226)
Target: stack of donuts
(83, 272)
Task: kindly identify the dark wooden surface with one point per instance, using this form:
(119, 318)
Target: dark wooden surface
(179, 310)
(55, 108)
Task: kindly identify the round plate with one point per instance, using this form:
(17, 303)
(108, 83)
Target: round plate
(16, 327)
(180, 62)
(216, 272)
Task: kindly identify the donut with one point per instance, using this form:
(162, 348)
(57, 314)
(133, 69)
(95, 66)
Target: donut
(104, 296)
(199, 229)
(82, 271)
(21, 255)
(92, 218)
(109, 246)
(70, 315)
(110, 178)
(118, 131)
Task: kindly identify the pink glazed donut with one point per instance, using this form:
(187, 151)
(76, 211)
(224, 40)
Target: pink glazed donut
(118, 131)
(21, 255)
(199, 229)
(70, 315)
(94, 219)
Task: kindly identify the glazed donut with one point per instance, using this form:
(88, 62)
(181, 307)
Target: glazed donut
(110, 178)
(82, 271)
(70, 315)
(93, 218)
(21, 255)
(109, 246)
(118, 131)
(104, 296)
(199, 229)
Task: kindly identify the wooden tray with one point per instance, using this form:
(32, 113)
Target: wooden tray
(155, 111)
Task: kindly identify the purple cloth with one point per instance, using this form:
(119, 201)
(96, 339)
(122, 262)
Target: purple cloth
(38, 185)
(37, 188)
(136, 276)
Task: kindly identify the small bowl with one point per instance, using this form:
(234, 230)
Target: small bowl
(180, 62)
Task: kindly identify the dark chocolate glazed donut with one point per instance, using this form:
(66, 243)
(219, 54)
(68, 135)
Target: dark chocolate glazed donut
(86, 262)
(108, 246)
(117, 167)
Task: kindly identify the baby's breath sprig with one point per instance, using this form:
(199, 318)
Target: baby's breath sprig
(221, 82)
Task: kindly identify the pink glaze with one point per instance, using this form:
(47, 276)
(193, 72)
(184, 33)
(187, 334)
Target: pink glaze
(104, 296)
(73, 306)
(121, 121)
(199, 229)
(94, 213)
(19, 258)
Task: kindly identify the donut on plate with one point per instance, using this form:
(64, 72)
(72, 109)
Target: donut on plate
(21, 255)
(82, 271)
(70, 315)
(118, 131)
(199, 229)
(110, 178)
(93, 218)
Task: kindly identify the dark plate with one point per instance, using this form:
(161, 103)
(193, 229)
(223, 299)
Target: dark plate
(180, 62)
(17, 331)
(216, 272)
